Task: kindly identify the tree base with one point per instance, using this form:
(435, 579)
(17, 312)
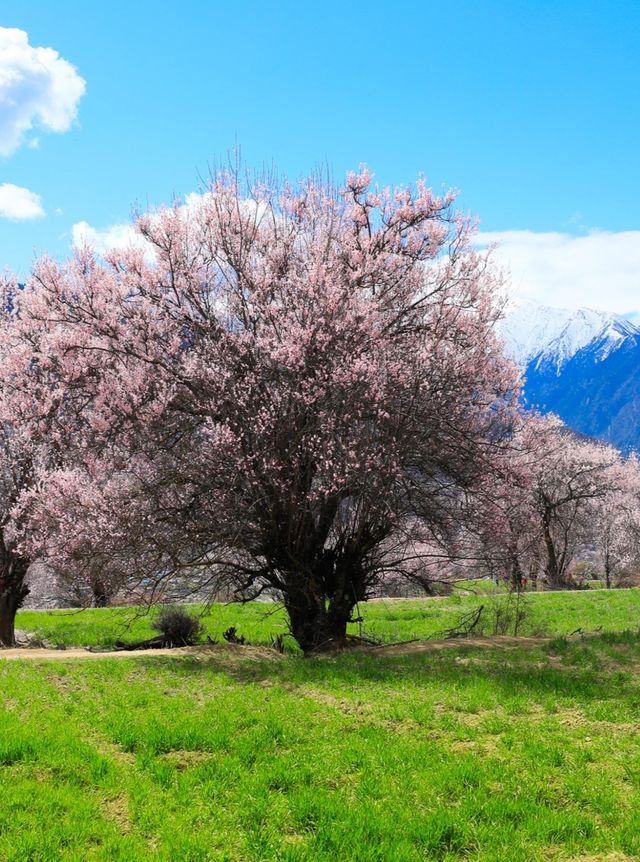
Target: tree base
(343, 644)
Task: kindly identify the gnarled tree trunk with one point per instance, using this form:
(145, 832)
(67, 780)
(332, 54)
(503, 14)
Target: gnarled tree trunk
(318, 625)
(100, 594)
(321, 606)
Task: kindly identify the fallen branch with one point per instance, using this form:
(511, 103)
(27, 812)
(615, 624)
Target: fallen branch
(466, 625)
(157, 642)
(585, 634)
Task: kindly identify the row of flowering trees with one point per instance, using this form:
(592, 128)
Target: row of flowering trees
(574, 499)
(295, 389)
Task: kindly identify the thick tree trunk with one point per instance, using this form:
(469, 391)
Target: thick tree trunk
(13, 591)
(8, 610)
(318, 626)
(553, 570)
(100, 595)
(320, 606)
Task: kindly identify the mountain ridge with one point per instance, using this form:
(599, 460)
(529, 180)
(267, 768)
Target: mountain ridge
(583, 365)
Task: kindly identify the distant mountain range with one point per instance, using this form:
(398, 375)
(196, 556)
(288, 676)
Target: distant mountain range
(583, 365)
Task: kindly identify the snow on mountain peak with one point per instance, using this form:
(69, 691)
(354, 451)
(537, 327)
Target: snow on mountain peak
(551, 336)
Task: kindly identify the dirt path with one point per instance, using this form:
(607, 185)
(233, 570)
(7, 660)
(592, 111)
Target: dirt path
(226, 650)
(29, 654)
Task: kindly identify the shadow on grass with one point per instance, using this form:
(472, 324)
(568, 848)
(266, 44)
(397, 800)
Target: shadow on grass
(583, 668)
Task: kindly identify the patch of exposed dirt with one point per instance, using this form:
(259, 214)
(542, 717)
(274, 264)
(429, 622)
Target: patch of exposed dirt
(204, 652)
(559, 856)
(576, 719)
(484, 747)
(343, 705)
(181, 759)
(412, 647)
(117, 810)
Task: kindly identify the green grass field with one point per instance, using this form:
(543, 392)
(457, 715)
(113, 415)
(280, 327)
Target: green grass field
(492, 754)
(386, 620)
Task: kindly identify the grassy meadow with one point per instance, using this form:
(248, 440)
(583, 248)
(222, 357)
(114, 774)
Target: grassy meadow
(387, 620)
(511, 753)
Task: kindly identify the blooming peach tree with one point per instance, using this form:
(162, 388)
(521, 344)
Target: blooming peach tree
(560, 498)
(268, 389)
(16, 474)
(573, 480)
(502, 533)
(21, 456)
(615, 527)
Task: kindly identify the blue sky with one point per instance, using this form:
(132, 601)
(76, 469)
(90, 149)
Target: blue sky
(530, 108)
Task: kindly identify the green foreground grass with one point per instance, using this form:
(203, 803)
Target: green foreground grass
(386, 620)
(512, 754)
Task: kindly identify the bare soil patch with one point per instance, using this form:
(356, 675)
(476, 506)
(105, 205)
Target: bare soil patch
(206, 651)
(197, 652)
(505, 641)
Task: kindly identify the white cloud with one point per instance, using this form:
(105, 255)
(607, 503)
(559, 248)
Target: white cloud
(105, 239)
(123, 235)
(600, 270)
(19, 204)
(38, 89)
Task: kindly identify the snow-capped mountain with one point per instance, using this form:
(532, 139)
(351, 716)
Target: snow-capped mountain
(552, 336)
(583, 365)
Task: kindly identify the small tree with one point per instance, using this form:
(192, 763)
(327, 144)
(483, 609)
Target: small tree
(561, 496)
(573, 478)
(502, 533)
(32, 454)
(615, 528)
(18, 457)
